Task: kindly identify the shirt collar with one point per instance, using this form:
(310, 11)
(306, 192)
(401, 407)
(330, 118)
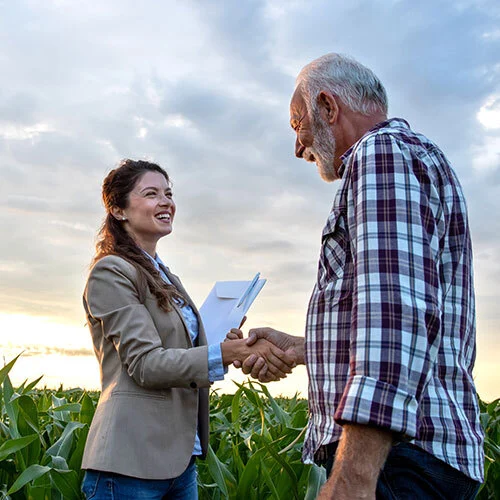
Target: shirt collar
(392, 122)
(156, 261)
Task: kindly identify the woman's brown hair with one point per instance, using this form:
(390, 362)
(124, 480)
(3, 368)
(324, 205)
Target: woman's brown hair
(113, 239)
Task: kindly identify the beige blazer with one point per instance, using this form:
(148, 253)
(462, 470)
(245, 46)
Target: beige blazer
(154, 381)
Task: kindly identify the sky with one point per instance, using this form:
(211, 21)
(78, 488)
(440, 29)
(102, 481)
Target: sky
(203, 89)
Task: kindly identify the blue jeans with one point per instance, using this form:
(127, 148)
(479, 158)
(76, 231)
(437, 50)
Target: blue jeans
(98, 485)
(412, 473)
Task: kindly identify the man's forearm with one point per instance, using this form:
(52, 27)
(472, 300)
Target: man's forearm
(360, 457)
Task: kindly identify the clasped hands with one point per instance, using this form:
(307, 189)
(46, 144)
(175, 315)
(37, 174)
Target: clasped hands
(267, 354)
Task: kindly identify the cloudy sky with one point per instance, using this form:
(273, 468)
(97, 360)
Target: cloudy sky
(203, 87)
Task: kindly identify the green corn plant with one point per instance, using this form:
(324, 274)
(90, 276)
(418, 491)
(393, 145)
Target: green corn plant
(255, 448)
(490, 420)
(42, 437)
(254, 452)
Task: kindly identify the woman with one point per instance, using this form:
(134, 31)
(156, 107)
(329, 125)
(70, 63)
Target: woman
(152, 417)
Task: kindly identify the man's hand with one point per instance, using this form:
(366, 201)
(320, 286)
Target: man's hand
(277, 365)
(255, 365)
(280, 339)
(360, 458)
(274, 363)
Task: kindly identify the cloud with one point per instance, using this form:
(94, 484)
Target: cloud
(489, 114)
(28, 203)
(44, 350)
(203, 88)
(18, 108)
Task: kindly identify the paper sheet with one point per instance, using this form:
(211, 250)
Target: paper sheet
(226, 304)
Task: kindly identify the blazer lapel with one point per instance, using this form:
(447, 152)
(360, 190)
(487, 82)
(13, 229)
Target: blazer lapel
(202, 339)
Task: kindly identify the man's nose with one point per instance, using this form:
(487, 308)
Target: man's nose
(299, 148)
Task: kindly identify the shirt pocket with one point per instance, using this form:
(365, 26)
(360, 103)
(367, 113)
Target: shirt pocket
(334, 250)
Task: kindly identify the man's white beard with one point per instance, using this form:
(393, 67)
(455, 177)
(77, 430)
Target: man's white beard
(323, 147)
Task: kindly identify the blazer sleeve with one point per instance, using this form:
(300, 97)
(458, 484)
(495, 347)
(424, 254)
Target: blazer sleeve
(112, 299)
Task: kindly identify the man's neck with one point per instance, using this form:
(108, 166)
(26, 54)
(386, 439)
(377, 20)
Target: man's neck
(351, 127)
(360, 124)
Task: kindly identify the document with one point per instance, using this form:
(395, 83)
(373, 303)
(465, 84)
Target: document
(226, 304)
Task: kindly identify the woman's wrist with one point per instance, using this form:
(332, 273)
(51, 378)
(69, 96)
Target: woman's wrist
(233, 350)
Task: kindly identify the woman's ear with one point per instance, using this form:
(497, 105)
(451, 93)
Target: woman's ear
(118, 214)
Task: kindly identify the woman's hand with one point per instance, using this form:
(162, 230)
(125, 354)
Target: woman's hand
(256, 365)
(234, 334)
(276, 364)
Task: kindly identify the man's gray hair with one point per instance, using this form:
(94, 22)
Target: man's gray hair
(354, 84)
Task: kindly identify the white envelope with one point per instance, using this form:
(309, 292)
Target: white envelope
(225, 306)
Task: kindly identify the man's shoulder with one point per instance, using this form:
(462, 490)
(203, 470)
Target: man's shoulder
(395, 129)
(397, 133)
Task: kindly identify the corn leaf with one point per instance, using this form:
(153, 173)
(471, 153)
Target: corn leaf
(75, 460)
(67, 482)
(70, 407)
(268, 480)
(220, 473)
(282, 416)
(28, 417)
(31, 385)
(59, 463)
(317, 476)
(6, 369)
(235, 410)
(31, 473)
(87, 409)
(13, 445)
(63, 445)
(61, 416)
(10, 406)
(283, 462)
(250, 475)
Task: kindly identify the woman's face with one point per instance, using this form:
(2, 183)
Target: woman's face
(151, 209)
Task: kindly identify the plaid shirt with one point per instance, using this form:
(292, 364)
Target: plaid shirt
(390, 335)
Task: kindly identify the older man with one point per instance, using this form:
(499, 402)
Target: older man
(390, 335)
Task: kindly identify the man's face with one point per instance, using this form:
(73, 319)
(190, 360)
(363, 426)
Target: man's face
(315, 141)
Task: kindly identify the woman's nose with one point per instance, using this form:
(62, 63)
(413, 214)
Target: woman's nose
(166, 200)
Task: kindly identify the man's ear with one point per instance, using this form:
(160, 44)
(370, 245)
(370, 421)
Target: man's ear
(328, 107)
(117, 213)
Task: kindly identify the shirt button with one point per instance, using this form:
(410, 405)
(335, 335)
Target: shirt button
(193, 385)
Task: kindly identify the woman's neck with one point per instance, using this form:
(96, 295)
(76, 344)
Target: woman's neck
(148, 246)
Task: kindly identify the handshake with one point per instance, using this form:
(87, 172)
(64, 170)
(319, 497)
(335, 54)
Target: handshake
(267, 354)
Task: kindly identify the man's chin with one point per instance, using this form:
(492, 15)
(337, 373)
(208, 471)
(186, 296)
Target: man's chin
(327, 173)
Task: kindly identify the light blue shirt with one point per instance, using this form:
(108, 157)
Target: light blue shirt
(215, 367)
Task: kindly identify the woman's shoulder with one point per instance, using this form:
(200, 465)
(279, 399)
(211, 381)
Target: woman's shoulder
(113, 263)
(112, 282)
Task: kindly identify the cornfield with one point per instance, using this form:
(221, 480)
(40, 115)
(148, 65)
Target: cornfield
(254, 452)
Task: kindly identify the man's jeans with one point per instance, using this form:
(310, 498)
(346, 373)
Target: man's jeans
(412, 473)
(99, 485)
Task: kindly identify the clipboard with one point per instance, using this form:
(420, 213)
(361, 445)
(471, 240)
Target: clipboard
(226, 305)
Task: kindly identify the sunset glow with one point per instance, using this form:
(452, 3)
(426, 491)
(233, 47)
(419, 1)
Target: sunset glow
(204, 89)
